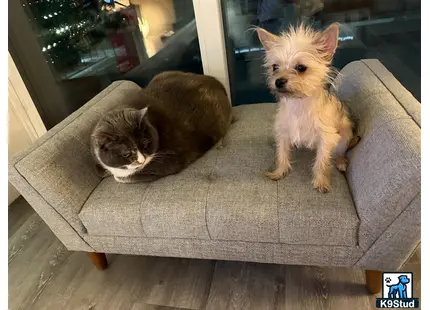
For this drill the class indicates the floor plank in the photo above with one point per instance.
(35, 255)
(182, 283)
(129, 280)
(18, 214)
(239, 285)
(309, 287)
(141, 306)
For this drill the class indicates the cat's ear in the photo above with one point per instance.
(328, 40)
(102, 139)
(267, 39)
(143, 112)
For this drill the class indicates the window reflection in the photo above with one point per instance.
(84, 38)
(384, 29)
(87, 44)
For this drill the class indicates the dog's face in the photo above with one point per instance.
(298, 61)
(404, 279)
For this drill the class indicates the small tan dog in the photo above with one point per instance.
(298, 70)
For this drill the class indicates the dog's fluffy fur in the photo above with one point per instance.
(308, 114)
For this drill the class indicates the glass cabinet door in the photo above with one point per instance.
(69, 50)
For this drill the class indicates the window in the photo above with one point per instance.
(68, 51)
(388, 30)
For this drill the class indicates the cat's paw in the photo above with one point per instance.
(276, 174)
(122, 180)
(101, 172)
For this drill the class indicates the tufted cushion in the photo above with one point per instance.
(225, 196)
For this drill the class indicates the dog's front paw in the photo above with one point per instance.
(322, 185)
(275, 175)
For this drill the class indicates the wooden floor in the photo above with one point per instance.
(44, 275)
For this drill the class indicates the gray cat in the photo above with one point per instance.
(171, 123)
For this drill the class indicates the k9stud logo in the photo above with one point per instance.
(397, 291)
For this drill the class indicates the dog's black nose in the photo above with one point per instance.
(280, 83)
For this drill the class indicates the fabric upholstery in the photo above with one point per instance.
(62, 229)
(225, 196)
(306, 216)
(113, 218)
(241, 202)
(59, 166)
(262, 252)
(397, 242)
(222, 207)
(171, 207)
(385, 167)
(174, 207)
(402, 95)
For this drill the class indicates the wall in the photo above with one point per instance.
(18, 139)
(24, 122)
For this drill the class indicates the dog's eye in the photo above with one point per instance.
(301, 68)
(275, 67)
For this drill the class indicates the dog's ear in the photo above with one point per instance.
(266, 38)
(327, 41)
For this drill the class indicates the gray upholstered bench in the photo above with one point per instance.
(222, 207)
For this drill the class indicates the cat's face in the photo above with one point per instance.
(125, 139)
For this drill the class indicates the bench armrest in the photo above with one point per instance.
(385, 167)
(56, 174)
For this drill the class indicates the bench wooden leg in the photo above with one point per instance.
(98, 259)
(373, 281)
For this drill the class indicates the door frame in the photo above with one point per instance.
(23, 112)
(210, 31)
(22, 103)
(39, 79)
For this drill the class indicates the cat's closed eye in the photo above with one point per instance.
(126, 154)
